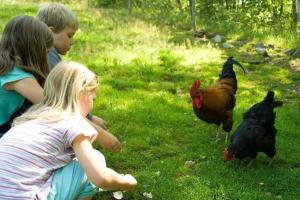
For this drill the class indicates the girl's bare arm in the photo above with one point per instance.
(27, 87)
(100, 175)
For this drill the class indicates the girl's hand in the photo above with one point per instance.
(131, 181)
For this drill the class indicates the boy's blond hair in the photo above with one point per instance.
(63, 87)
(59, 17)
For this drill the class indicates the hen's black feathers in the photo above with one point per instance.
(257, 132)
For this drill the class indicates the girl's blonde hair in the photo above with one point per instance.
(56, 15)
(24, 43)
(63, 87)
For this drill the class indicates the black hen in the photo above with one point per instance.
(256, 133)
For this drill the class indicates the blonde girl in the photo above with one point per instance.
(37, 153)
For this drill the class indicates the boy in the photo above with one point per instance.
(63, 25)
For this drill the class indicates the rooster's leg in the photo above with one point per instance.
(270, 162)
(226, 137)
(250, 163)
(218, 136)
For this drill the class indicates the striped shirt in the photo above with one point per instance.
(32, 151)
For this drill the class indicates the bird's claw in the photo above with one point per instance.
(250, 163)
(218, 140)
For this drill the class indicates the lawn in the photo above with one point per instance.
(145, 75)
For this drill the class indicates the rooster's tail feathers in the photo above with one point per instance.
(230, 61)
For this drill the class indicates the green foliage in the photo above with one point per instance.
(258, 16)
(255, 16)
(107, 3)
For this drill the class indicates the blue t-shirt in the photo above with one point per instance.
(11, 101)
(53, 58)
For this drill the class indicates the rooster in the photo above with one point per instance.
(256, 133)
(215, 104)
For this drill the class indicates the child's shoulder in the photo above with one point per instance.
(53, 58)
(16, 70)
(15, 74)
(74, 119)
(75, 125)
(76, 122)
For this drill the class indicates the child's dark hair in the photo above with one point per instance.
(24, 43)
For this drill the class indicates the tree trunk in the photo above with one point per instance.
(129, 6)
(193, 14)
(227, 4)
(298, 10)
(294, 17)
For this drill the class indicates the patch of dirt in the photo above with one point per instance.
(295, 65)
(297, 88)
(279, 61)
(276, 56)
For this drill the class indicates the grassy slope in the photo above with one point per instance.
(144, 96)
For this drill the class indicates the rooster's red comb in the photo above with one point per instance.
(195, 86)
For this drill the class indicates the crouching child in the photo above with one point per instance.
(48, 152)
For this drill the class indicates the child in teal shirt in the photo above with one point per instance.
(23, 64)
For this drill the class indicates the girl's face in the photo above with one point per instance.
(86, 102)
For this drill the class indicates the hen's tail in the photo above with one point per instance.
(269, 99)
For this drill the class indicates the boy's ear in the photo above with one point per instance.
(52, 29)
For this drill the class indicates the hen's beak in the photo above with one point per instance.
(227, 155)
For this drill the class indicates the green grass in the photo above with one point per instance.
(145, 76)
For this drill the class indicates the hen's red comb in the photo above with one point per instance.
(227, 156)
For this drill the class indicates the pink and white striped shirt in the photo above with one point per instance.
(32, 151)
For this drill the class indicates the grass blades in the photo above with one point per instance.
(145, 75)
